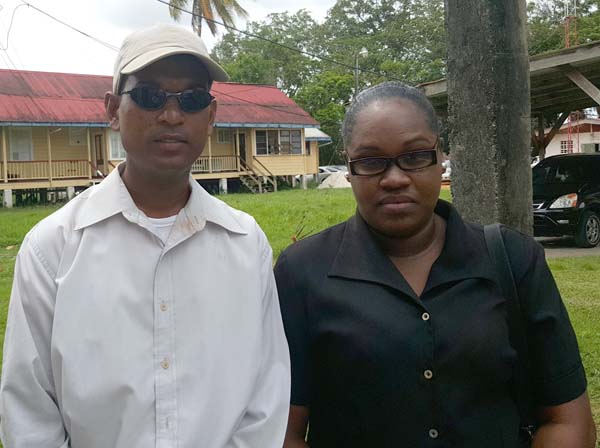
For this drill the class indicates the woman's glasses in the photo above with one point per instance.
(410, 161)
(153, 98)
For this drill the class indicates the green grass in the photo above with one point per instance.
(287, 213)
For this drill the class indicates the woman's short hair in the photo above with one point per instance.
(388, 91)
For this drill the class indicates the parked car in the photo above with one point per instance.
(324, 172)
(566, 198)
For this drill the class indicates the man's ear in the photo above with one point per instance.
(111, 104)
(212, 111)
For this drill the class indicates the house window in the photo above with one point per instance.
(117, 151)
(278, 142)
(307, 148)
(224, 136)
(566, 146)
(21, 144)
(76, 136)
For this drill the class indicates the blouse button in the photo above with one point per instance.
(163, 306)
(433, 433)
(425, 316)
(165, 364)
(428, 374)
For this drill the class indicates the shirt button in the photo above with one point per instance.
(163, 306)
(433, 433)
(425, 316)
(428, 374)
(165, 364)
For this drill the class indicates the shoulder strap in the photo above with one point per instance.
(516, 327)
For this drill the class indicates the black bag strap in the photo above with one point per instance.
(516, 326)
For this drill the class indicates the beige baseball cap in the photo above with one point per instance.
(144, 47)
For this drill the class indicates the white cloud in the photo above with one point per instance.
(39, 43)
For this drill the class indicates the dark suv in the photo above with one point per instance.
(566, 198)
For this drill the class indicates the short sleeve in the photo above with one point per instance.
(557, 373)
(293, 311)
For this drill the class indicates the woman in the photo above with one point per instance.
(395, 319)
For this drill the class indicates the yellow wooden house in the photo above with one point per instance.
(54, 135)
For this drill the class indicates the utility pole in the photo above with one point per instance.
(489, 111)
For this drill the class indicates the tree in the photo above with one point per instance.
(257, 59)
(546, 24)
(207, 11)
(325, 98)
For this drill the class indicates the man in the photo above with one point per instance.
(144, 313)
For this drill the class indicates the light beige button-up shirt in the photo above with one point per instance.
(118, 340)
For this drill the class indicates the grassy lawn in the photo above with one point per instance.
(285, 214)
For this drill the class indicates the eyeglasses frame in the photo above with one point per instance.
(394, 159)
(168, 95)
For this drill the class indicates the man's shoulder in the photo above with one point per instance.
(49, 235)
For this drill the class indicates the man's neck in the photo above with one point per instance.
(157, 196)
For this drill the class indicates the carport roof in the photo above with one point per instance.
(552, 88)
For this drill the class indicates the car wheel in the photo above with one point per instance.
(588, 231)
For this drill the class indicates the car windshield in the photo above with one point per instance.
(557, 172)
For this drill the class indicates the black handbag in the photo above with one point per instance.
(516, 331)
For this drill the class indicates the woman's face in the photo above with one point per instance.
(396, 203)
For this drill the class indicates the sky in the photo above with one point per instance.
(37, 42)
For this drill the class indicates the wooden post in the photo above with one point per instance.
(89, 148)
(210, 154)
(489, 111)
(49, 154)
(237, 148)
(4, 157)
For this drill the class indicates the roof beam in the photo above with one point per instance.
(583, 83)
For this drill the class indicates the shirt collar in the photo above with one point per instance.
(463, 256)
(111, 197)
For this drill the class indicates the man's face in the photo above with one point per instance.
(167, 140)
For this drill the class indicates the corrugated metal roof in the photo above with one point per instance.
(43, 97)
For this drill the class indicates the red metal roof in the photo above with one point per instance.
(42, 97)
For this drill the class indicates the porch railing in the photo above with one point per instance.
(43, 170)
(215, 164)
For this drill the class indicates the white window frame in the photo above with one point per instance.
(77, 136)
(224, 136)
(25, 152)
(117, 151)
(278, 145)
(566, 146)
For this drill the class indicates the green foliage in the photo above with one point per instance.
(547, 19)
(254, 60)
(325, 98)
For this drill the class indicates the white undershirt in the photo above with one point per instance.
(163, 226)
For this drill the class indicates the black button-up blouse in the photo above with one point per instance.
(380, 367)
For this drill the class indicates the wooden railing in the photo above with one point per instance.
(41, 170)
(215, 164)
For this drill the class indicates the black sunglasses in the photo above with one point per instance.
(153, 98)
(409, 161)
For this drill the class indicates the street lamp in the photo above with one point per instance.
(364, 53)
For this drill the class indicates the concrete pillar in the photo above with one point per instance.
(7, 199)
(489, 111)
(223, 186)
(70, 192)
(293, 181)
(304, 181)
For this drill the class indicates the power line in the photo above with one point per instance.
(95, 39)
(297, 50)
(5, 48)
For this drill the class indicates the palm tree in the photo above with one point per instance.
(208, 10)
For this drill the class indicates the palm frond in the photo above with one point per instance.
(173, 11)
